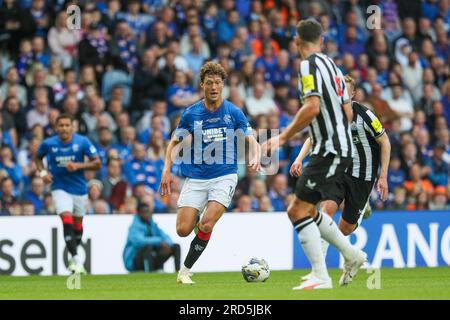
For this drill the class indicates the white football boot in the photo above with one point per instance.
(351, 267)
(184, 277)
(314, 283)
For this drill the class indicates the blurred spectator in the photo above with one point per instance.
(416, 183)
(278, 191)
(9, 164)
(399, 201)
(7, 199)
(148, 247)
(244, 204)
(440, 199)
(180, 95)
(12, 82)
(35, 195)
(114, 186)
(258, 103)
(63, 41)
(396, 176)
(439, 168)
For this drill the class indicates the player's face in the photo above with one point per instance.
(351, 92)
(212, 87)
(64, 128)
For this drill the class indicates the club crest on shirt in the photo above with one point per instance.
(75, 147)
(227, 118)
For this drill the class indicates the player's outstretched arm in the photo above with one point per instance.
(166, 177)
(296, 167)
(255, 152)
(385, 145)
(306, 114)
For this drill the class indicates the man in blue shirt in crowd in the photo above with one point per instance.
(148, 247)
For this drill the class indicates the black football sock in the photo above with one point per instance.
(69, 235)
(198, 245)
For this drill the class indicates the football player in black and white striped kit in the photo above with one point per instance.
(327, 112)
(372, 149)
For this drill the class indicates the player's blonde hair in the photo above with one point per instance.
(350, 80)
(212, 69)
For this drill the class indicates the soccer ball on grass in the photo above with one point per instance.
(255, 270)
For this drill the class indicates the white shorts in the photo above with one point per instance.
(72, 203)
(196, 193)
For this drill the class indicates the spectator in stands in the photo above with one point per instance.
(35, 195)
(440, 199)
(114, 185)
(63, 41)
(180, 95)
(244, 204)
(12, 80)
(7, 200)
(9, 164)
(396, 176)
(278, 191)
(258, 103)
(148, 247)
(440, 171)
(139, 169)
(399, 201)
(416, 183)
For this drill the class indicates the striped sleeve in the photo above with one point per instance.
(309, 79)
(345, 98)
(372, 124)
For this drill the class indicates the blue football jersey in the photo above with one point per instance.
(58, 154)
(215, 138)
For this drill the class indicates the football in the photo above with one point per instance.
(255, 270)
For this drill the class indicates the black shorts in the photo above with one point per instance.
(356, 193)
(319, 178)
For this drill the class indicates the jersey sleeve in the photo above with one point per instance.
(89, 149)
(372, 124)
(42, 150)
(345, 98)
(309, 79)
(184, 128)
(241, 122)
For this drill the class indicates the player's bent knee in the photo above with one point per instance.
(347, 229)
(183, 230)
(206, 227)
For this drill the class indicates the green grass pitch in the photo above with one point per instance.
(418, 283)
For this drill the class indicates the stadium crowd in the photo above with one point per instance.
(128, 73)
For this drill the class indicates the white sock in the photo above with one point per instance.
(309, 237)
(325, 246)
(77, 260)
(184, 269)
(331, 233)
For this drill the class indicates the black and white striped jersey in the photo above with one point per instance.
(329, 130)
(365, 128)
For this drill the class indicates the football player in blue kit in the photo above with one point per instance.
(65, 156)
(213, 128)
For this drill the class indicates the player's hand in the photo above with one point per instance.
(296, 169)
(270, 146)
(48, 178)
(72, 166)
(382, 188)
(166, 181)
(255, 163)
